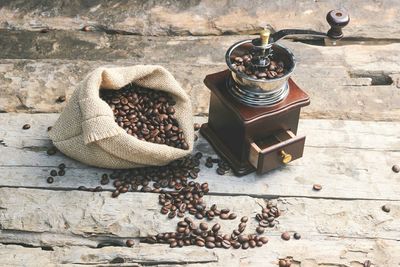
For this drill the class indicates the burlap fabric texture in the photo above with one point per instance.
(87, 131)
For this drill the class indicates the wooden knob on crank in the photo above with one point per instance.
(264, 37)
(286, 157)
(337, 19)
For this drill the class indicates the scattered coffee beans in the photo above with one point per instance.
(317, 187)
(130, 243)
(285, 236)
(245, 65)
(26, 126)
(386, 208)
(148, 115)
(396, 168)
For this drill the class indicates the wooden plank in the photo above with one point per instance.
(331, 252)
(346, 232)
(73, 214)
(346, 82)
(368, 19)
(352, 160)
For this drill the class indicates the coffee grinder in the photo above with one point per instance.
(253, 120)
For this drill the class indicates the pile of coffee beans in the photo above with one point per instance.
(223, 166)
(275, 69)
(173, 176)
(267, 217)
(146, 114)
(285, 262)
(188, 233)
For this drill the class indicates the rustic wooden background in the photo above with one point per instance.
(352, 128)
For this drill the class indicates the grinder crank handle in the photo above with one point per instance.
(337, 19)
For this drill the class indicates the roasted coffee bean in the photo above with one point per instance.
(200, 243)
(50, 180)
(386, 208)
(216, 227)
(244, 219)
(196, 126)
(61, 99)
(172, 214)
(243, 238)
(367, 263)
(61, 172)
(317, 187)
(98, 189)
(285, 236)
(283, 263)
(259, 217)
(130, 243)
(61, 166)
(26, 126)
(52, 151)
(263, 223)
(203, 226)
(115, 193)
(49, 128)
(236, 244)
(260, 230)
(396, 168)
(226, 244)
(224, 216)
(53, 173)
(209, 164)
(245, 245)
(221, 171)
(252, 243)
(210, 245)
(81, 187)
(232, 216)
(104, 181)
(296, 236)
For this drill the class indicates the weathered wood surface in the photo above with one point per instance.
(200, 17)
(361, 230)
(344, 82)
(351, 159)
(334, 252)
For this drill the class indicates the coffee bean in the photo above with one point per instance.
(263, 223)
(209, 164)
(130, 243)
(232, 216)
(224, 216)
(81, 187)
(317, 187)
(61, 99)
(244, 219)
(245, 245)
(216, 227)
(98, 189)
(200, 243)
(236, 244)
(50, 180)
(386, 208)
(26, 126)
(396, 168)
(53, 173)
(115, 193)
(285, 236)
(49, 128)
(221, 171)
(367, 263)
(226, 244)
(260, 230)
(52, 151)
(210, 245)
(297, 236)
(61, 166)
(203, 226)
(196, 126)
(282, 263)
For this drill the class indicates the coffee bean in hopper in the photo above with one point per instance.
(148, 115)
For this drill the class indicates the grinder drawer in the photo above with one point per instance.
(277, 150)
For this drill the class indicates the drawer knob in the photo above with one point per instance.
(286, 157)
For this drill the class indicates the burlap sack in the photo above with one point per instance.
(86, 130)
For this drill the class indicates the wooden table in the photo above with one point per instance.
(353, 139)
